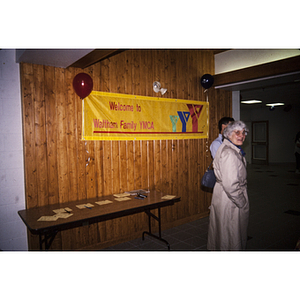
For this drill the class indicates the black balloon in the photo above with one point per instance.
(207, 81)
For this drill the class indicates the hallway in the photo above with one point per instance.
(274, 225)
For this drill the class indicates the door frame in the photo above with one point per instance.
(260, 143)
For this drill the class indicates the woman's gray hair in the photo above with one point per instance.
(236, 125)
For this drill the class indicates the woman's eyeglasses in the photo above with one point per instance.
(239, 132)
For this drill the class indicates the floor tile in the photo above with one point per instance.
(182, 246)
(196, 242)
(182, 235)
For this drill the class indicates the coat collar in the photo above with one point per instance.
(237, 148)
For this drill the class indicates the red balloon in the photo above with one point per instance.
(83, 84)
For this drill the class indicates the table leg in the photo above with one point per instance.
(159, 227)
(47, 240)
(41, 241)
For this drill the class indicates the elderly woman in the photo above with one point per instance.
(229, 210)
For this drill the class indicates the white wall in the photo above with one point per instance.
(283, 127)
(236, 105)
(13, 234)
(242, 58)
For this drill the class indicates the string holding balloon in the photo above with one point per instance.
(88, 160)
(206, 148)
(207, 81)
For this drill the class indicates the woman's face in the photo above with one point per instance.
(237, 137)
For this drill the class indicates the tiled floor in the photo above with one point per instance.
(274, 195)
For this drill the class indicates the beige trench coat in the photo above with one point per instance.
(229, 210)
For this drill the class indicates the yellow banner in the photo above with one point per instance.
(108, 116)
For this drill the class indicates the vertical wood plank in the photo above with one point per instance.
(40, 135)
(107, 166)
(51, 127)
(144, 164)
(145, 82)
(173, 75)
(137, 165)
(71, 117)
(62, 153)
(157, 165)
(123, 167)
(129, 164)
(192, 185)
(115, 166)
(175, 183)
(150, 154)
(136, 72)
(29, 135)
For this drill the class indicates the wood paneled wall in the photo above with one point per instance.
(56, 158)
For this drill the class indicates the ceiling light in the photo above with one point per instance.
(274, 104)
(251, 101)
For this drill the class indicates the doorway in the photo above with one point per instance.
(260, 142)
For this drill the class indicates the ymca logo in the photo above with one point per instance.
(194, 112)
